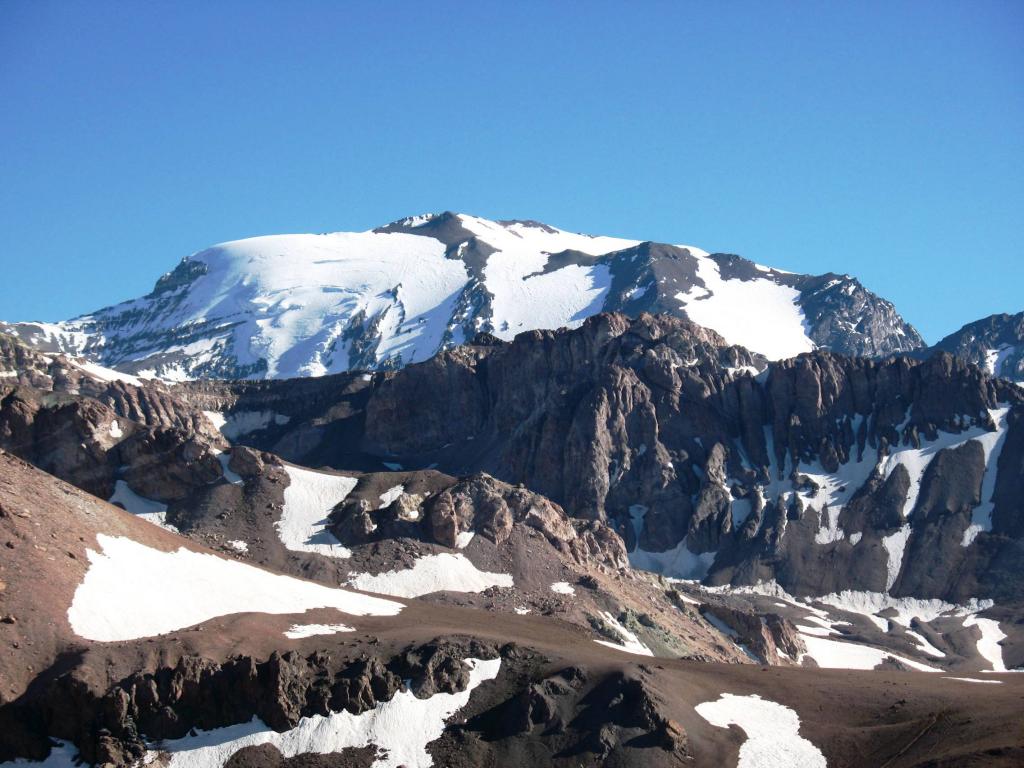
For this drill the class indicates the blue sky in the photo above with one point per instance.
(885, 140)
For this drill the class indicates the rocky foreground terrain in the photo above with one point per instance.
(599, 546)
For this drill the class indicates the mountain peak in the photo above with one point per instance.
(280, 306)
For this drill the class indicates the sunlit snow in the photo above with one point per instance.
(131, 590)
(442, 572)
(759, 314)
(298, 631)
(773, 732)
(308, 500)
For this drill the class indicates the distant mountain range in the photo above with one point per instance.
(308, 305)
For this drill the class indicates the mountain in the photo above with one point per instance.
(308, 305)
(125, 643)
(994, 343)
(823, 473)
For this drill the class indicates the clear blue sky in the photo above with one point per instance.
(881, 139)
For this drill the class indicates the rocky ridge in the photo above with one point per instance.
(994, 343)
(802, 474)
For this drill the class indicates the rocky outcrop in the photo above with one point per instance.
(144, 401)
(761, 635)
(87, 443)
(587, 716)
(198, 693)
(994, 344)
(438, 509)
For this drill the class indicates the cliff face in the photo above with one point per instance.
(819, 471)
(994, 343)
(822, 472)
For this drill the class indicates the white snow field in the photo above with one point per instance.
(401, 728)
(390, 495)
(994, 358)
(563, 588)
(151, 511)
(290, 305)
(758, 314)
(677, 563)
(117, 598)
(104, 374)
(870, 604)
(525, 300)
(833, 654)
(988, 645)
(297, 631)
(442, 572)
(773, 732)
(308, 500)
(630, 642)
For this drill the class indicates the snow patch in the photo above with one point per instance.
(117, 598)
(298, 631)
(390, 495)
(308, 500)
(105, 374)
(678, 562)
(236, 424)
(229, 474)
(833, 654)
(895, 545)
(562, 588)
(870, 604)
(994, 358)
(759, 314)
(443, 572)
(988, 645)
(773, 732)
(924, 646)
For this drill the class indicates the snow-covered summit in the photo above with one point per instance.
(307, 305)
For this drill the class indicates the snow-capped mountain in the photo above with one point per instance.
(308, 305)
(994, 343)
